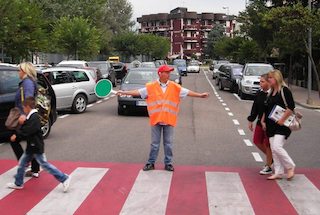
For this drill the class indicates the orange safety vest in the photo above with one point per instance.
(163, 107)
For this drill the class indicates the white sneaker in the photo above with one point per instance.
(14, 186)
(266, 171)
(66, 184)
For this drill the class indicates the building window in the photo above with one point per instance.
(189, 46)
(189, 22)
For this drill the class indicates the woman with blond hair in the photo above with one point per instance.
(277, 132)
(27, 88)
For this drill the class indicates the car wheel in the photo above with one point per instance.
(217, 81)
(234, 89)
(79, 104)
(46, 128)
(220, 85)
(120, 111)
(242, 95)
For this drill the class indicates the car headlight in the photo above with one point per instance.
(248, 82)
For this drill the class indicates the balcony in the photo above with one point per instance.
(190, 27)
(207, 27)
(190, 39)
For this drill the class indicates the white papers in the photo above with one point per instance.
(277, 113)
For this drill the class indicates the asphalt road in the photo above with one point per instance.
(208, 133)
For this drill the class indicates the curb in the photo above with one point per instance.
(313, 107)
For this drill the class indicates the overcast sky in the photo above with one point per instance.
(143, 7)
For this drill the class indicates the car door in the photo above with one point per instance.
(84, 83)
(222, 75)
(64, 88)
(228, 81)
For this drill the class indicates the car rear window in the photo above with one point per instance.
(9, 81)
(237, 70)
(140, 77)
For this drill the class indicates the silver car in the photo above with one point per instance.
(74, 87)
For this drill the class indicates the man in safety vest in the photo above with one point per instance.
(163, 98)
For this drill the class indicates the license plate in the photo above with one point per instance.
(141, 103)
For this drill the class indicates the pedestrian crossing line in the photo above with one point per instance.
(227, 109)
(236, 122)
(241, 132)
(6, 178)
(149, 195)
(226, 194)
(247, 142)
(57, 202)
(257, 157)
(303, 195)
(224, 104)
(230, 114)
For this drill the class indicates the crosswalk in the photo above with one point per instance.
(111, 188)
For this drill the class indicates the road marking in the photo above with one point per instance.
(226, 194)
(149, 194)
(113, 95)
(236, 122)
(224, 104)
(241, 132)
(98, 102)
(318, 110)
(83, 182)
(218, 97)
(90, 105)
(64, 116)
(105, 99)
(6, 178)
(257, 156)
(227, 109)
(236, 95)
(221, 100)
(303, 194)
(230, 114)
(247, 142)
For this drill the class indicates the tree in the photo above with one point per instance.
(75, 37)
(21, 30)
(294, 20)
(215, 34)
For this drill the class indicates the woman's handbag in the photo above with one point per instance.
(295, 124)
(12, 122)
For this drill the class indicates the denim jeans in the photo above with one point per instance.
(156, 131)
(42, 160)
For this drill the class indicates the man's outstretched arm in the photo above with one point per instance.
(198, 95)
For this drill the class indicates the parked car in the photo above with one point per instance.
(120, 69)
(74, 88)
(105, 70)
(175, 75)
(215, 62)
(193, 66)
(182, 66)
(160, 63)
(249, 84)
(135, 79)
(215, 72)
(229, 76)
(148, 65)
(9, 84)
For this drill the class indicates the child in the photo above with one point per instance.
(31, 131)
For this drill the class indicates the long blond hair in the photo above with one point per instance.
(277, 75)
(29, 69)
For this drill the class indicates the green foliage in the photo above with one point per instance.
(21, 29)
(75, 36)
(215, 34)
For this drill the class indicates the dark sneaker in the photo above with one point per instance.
(32, 174)
(266, 171)
(148, 166)
(169, 167)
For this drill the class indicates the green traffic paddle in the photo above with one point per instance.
(103, 88)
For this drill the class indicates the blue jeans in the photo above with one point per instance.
(42, 160)
(156, 131)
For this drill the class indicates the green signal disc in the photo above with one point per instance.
(103, 88)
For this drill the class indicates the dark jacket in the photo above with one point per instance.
(29, 89)
(31, 131)
(272, 127)
(258, 108)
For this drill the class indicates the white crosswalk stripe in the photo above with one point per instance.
(149, 194)
(303, 195)
(57, 202)
(226, 194)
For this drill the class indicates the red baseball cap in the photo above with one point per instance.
(165, 68)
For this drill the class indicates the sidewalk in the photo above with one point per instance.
(300, 95)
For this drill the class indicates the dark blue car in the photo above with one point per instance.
(182, 66)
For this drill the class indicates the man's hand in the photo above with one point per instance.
(250, 126)
(204, 95)
(22, 119)
(120, 93)
(280, 122)
(264, 126)
(13, 138)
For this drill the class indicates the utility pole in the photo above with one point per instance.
(309, 100)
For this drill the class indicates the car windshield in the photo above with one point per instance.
(193, 64)
(9, 81)
(70, 65)
(258, 70)
(180, 63)
(140, 77)
(148, 65)
(237, 71)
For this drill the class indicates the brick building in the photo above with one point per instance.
(188, 31)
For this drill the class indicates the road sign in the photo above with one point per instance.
(103, 88)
